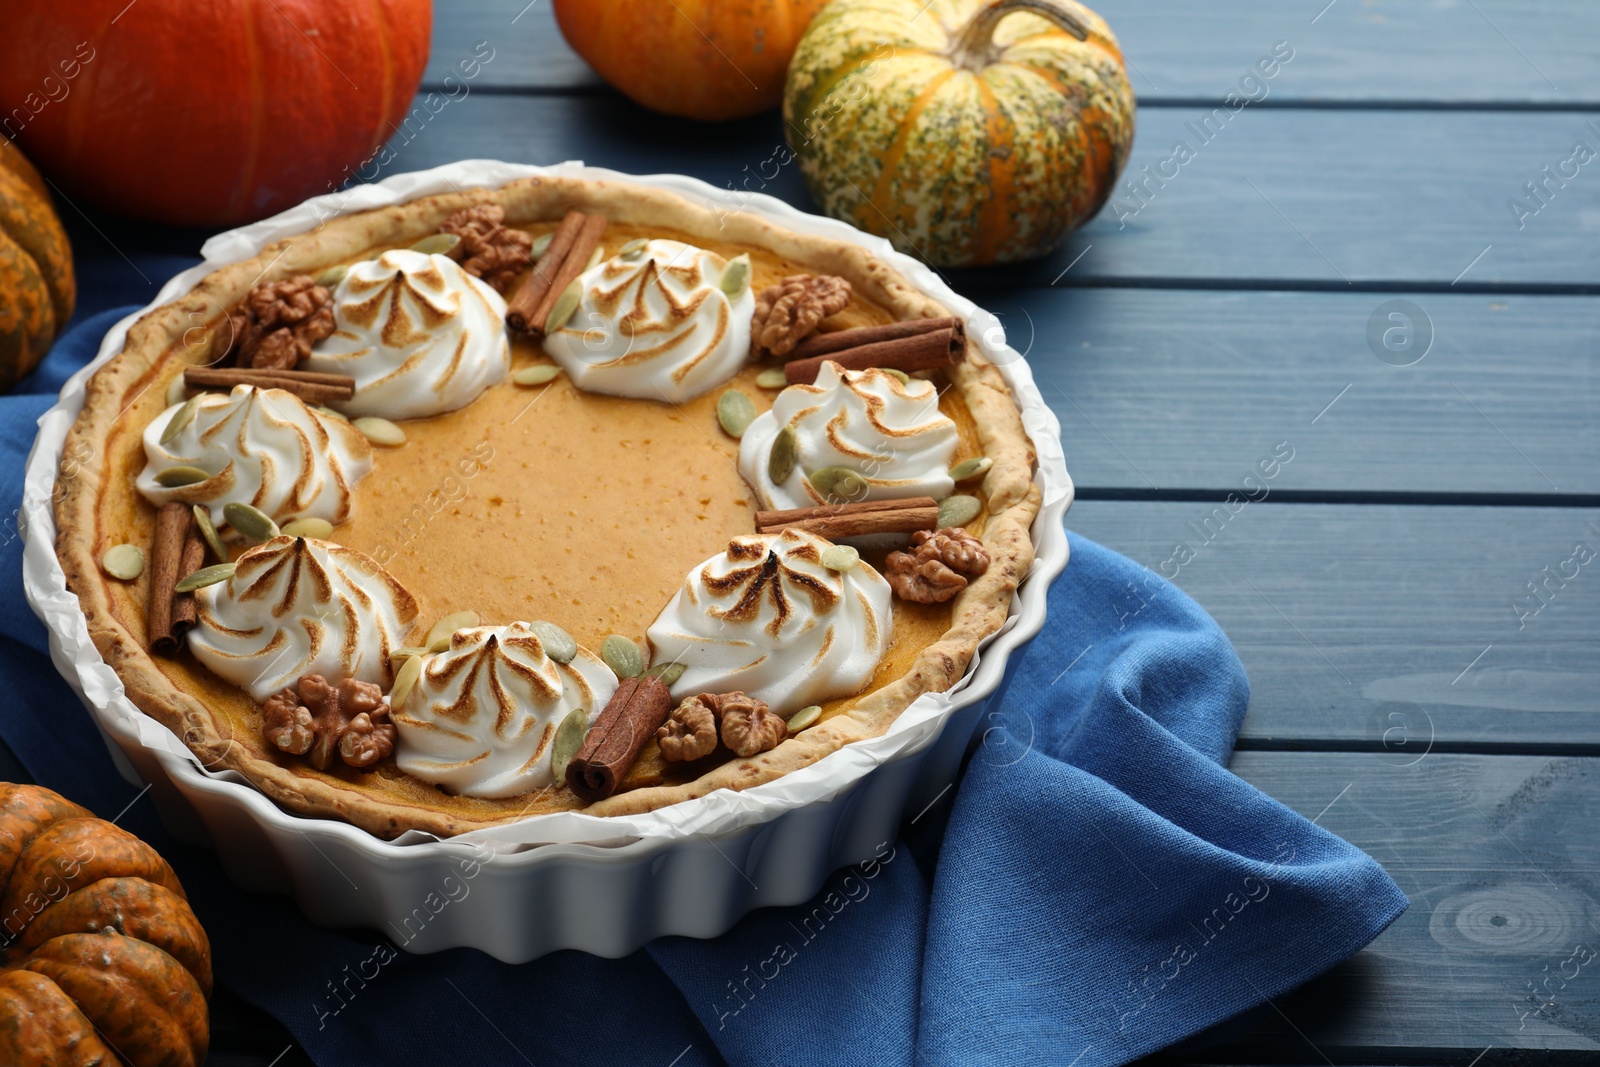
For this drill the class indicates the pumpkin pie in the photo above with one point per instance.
(565, 495)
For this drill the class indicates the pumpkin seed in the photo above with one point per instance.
(180, 476)
(633, 247)
(380, 431)
(400, 655)
(177, 391)
(330, 278)
(735, 276)
(781, 460)
(735, 412)
(539, 375)
(253, 524)
(595, 259)
(958, 511)
(839, 483)
(438, 638)
(969, 469)
(541, 244)
(840, 558)
(316, 529)
(405, 680)
(208, 533)
(217, 572)
(558, 644)
(804, 717)
(180, 419)
(123, 561)
(438, 244)
(772, 379)
(669, 673)
(332, 414)
(566, 304)
(622, 656)
(896, 373)
(569, 738)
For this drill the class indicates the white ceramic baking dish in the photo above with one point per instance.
(605, 886)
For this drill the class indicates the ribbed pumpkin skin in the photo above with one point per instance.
(705, 59)
(208, 112)
(41, 1027)
(37, 288)
(957, 166)
(100, 947)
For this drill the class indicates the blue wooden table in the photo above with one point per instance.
(1353, 277)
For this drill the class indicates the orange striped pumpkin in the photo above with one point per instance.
(212, 112)
(706, 59)
(100, 950)
(37, 290)
(965, 131)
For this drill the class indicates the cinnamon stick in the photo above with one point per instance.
(166, 560)
(862, 523)
(570, 248)
(309, 386)
(822, 343)
(638, 707)
(823, 511)
(184, 612)
(343, 381)
(943, 347)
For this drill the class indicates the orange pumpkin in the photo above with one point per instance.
(100, 949)
(209, 112)
(37, 289)
(965, 131)
(706, 59)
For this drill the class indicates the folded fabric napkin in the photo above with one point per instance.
(1095, 888)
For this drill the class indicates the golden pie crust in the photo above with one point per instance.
(627, 495)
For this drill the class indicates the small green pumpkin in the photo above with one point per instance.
(37, 290)
(965, 131)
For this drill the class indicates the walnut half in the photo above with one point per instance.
(489, 249)
(276, 324)
(690, 734)
(316, 720)
(952, 546)
(789, 312)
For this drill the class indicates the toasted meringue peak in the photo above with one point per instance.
(655, 324)
(891, 433)
(296, 606)
(766, 617)
(262, 447)
(482, 718)
(419, 335)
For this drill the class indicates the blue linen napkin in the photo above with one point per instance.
(1096, 887)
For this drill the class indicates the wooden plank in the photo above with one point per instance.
(1518, 52)
(1164, 389)
(1428, 210)
(1497, 858)
(529, 53)
(1386, 627)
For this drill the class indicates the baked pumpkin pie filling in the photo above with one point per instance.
(536, 499)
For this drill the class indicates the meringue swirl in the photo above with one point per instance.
(655, 324)
(891, 433)
(768, 618)
(419, 335)
(482, 717)
(262, 447)
(296, 606)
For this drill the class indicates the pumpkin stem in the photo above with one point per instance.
(974, 46)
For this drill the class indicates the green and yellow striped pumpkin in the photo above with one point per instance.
(964, 131)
